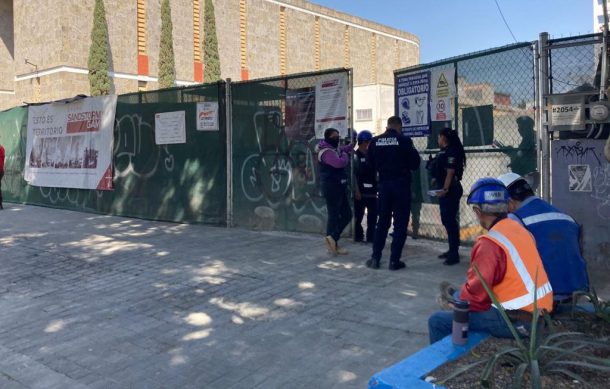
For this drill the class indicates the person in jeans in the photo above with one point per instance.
(333, 160)
(508, 261)
(557, 237)
(365, 190)
(394, 158)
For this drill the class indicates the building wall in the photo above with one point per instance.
(227, 31)
(63, 40)
(300, 49)
(7, 44)
(263, 38)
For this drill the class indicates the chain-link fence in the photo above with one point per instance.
(493, 112)
(177, 182)
(275, 168)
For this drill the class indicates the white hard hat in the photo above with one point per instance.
(510, 178)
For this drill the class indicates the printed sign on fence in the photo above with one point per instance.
(331, 104)
(69, 145)
(170, 128)
(207, 116)
(412, 102)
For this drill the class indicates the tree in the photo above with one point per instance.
(99, 80)
(211, 58)
(167, 71)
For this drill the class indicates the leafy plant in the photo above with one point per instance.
(167, 68)
(211, 59)
(99, 81)
(601, 308)
(555, 353)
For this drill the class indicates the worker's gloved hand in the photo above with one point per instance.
(445, 299)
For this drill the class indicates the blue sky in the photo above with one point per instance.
(452, 27)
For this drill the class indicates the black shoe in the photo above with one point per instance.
(444, 255)
(372, 264)
(397, 265)
(452, 261)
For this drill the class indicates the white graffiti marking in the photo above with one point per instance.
(601, 190)
(135, 135)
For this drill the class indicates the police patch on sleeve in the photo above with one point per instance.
(451, 160)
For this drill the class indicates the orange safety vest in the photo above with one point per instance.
(516, 290)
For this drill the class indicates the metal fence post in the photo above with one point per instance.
(543, 133)
(537, 110)
(229, 130)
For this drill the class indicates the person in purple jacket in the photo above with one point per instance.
(333, 160)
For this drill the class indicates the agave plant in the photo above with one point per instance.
(601, 308)
(546, 354)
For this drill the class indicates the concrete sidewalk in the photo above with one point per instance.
(108, 302)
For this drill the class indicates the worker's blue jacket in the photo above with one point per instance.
(557, 240)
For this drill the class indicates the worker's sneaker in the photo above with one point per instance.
(331, 244)
(397, 265)
(342, 251)
(372, 263)
(444, 255)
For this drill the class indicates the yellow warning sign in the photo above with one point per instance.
(442, 82)
(442, 86)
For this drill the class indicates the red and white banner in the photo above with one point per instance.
(331, 104)
(69, 145)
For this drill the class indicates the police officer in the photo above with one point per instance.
(393, 157)
(557, 236)
(365, 193)
(447, 171)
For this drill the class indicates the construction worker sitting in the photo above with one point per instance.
(509, 263)
(556, 234)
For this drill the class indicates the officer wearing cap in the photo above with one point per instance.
(394, 157)
(509, 263)
(556, 234)
(365, 193)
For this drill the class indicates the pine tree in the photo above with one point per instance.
(99, 81)
(211, 59)
(167, 71)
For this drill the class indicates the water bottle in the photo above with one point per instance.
(459, 332)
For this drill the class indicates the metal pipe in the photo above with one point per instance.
(543, 133)
(537, 108)
(604, 73)
(229, 129)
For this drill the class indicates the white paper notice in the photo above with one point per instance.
(331, 104)
(170, 128)
(207, 116)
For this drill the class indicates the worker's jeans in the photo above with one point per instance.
(338, 208)
(440, 323)
(370, 204)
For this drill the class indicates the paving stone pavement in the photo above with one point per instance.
(93, 301)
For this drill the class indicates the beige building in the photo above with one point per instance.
(44, 45)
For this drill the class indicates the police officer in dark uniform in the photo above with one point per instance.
(393, 157)
(365, 193)
(447, 170)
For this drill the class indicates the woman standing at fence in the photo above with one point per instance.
(333, 160)
(447, 173)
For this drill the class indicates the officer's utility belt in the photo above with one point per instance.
(519, 315)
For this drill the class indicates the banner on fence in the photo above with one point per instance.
(69, 145)
(412, 103)
(442, 93)
(331, 104)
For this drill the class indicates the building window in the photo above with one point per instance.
(364, 115)
(600, 18)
